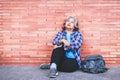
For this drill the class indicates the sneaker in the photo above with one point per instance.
(53, 73)
(45, 66)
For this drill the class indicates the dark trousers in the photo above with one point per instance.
(63, 64)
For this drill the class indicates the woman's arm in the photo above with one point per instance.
(56, 39)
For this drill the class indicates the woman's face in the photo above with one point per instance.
(69, 24)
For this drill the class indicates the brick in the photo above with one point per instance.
(27, 29)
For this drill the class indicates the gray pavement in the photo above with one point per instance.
(35, 73)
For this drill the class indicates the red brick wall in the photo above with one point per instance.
(27, 29)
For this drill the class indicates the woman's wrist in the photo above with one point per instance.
(55, 46)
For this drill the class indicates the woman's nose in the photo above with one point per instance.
(69, 22)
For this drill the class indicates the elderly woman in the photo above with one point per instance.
(66, 53)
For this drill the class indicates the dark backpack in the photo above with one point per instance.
(93, 64)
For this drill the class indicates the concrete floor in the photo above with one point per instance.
(35, 73)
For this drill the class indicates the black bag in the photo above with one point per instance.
(94, 64)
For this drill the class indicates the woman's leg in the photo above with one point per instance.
(69, 65)
(58, 56)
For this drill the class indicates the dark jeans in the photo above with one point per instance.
(63, 64)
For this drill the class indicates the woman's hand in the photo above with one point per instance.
(65, 42)
(55, 46)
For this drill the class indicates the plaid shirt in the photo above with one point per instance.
(75, 43)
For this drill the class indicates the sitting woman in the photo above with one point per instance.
(66, 53)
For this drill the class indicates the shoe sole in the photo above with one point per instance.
(53, 76)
